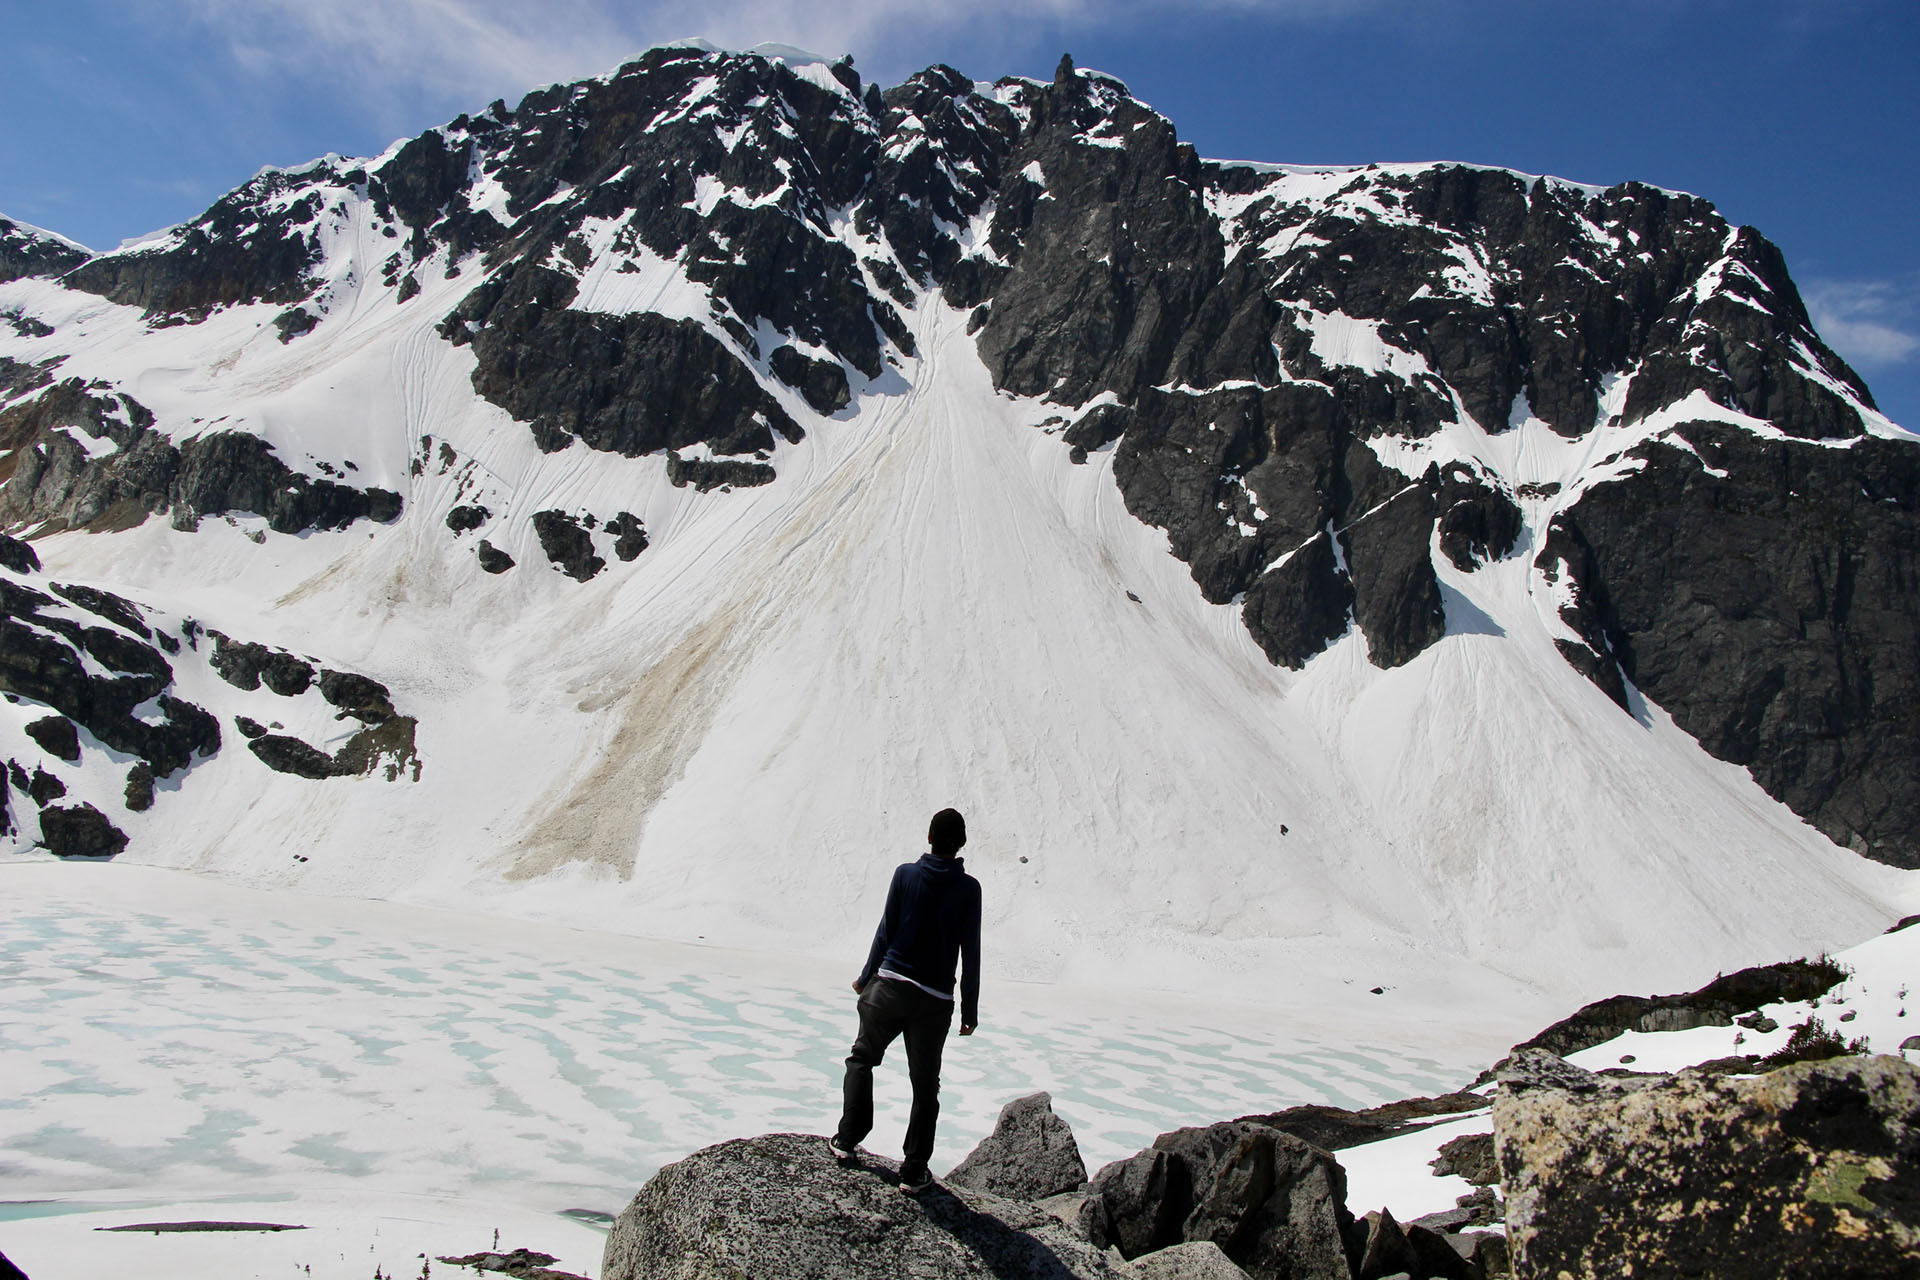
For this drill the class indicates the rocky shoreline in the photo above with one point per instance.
(1802, 1162)
(1809, 1169)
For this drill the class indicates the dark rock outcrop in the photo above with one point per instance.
(247, 666)
(707, 474)
(628, 384)
(386, 744)
(779, 1205)
(28, 251)
(1335, 1128)
(629, 536)
(1761, 591)
(1714, 1005)
(1809, 1170)
(1469, 1156)
(467, 517)
(521, 1264)
(18, 556)
(491, 558)
(139, 789)
(251, 246)
(285, 754)
(1030, 1155)
(79, 831)
(567, 544)
(44, 787)
(48, 479)
(1274, 1204)
(361, 697)
(822, 383)
(41, 659)
(56, 736)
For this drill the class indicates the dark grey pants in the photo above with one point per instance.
(889, 1009)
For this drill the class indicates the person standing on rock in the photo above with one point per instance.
(930, 928)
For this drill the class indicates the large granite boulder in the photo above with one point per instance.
(1030, 1154)
(1274, 1204)
(780, 1206)
(1201, 1260)
(1812, 1170)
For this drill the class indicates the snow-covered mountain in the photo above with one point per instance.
(642, 506)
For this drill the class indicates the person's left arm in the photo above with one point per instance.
(970, 962)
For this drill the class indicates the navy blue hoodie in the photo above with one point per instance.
(932, 921)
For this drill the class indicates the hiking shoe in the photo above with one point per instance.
(914, 1181)
(843, 1154)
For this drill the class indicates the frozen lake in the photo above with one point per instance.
(166, 1039)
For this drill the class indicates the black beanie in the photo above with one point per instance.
(947, 832)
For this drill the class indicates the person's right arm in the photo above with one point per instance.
(970, 963)
(878, 951)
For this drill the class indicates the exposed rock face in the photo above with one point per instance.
(779, 1205)
(1334, 1128)
(1714, 1005)
(40, 658)
(56, 736)
(28, 251)
(1030, 1155)
(666, 383)
(629, 536)
(1470, 1156)
(284, 754)
(567, 544)
(1762, 592)
(139, 788)
(248, 247)
(1274, 1204)
(1807, 1171)
(79, 831)
(467, 517)
(706, 474)
(492, 558)
(51, 481)
(18, 556)
(53, 645)
(247, 666)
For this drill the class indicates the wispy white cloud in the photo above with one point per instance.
(397, 55)
(1872, 323)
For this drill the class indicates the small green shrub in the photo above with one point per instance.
(1813, 1041)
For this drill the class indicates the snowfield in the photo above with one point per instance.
(730, 738)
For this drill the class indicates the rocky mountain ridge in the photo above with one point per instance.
(1343, 394)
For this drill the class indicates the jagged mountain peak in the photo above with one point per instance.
(650, 391)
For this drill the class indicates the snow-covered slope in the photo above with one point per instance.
(721, 467)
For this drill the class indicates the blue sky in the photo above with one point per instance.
(1796, 116)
